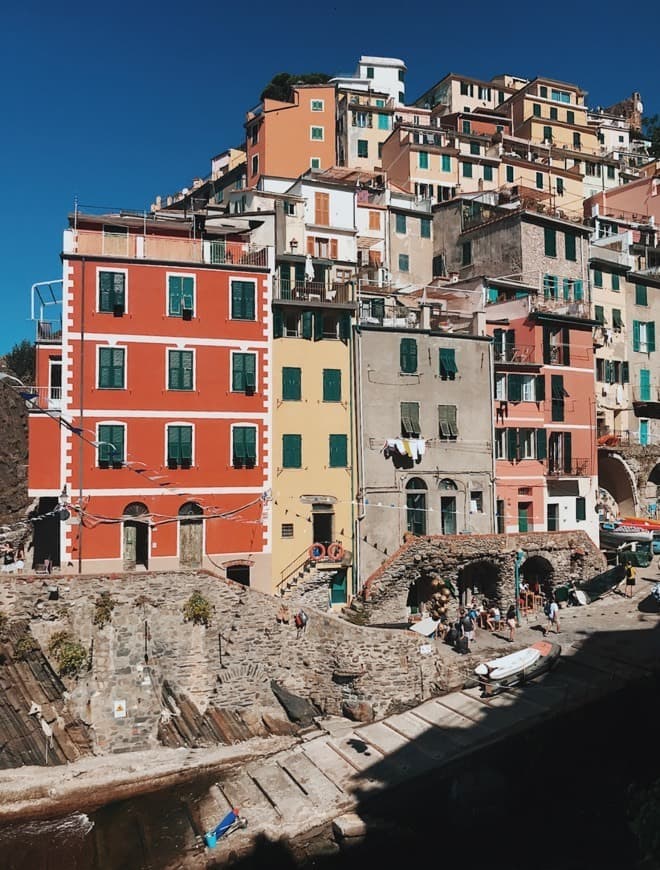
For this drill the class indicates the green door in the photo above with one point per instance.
(645, 385)
(338, 588)
(524, 510)
(448, 514)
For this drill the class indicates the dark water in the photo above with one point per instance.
(556, 798)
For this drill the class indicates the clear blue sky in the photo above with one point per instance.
(116, 103)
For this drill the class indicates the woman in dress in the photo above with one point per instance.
(511, 621)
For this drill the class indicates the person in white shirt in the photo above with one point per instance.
(552, 612)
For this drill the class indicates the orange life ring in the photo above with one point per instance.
(335, 552)
(316, 552)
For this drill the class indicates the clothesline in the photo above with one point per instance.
(413, 448)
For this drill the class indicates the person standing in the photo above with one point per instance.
(630, 580)
(467, 626)
(511, 621)
(552, 612)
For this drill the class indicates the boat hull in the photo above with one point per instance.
(549, 655)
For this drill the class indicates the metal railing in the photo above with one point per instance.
(168, 248)
(518, 353)
(49, 331)
(294, 567)
(574, 468)
(313, 291)
(43, 398)
(606, 437)
(650, 393)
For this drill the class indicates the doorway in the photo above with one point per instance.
(448, 514)
(553, 517)
(136, 536)
(323, 516)
(338, 587)
(416, 506)
(524, 516)
(46, 539)
(239, 574)
(191, 535)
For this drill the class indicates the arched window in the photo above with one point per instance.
(190, 509)
(135, 509)
(447, 483)
(416, 506)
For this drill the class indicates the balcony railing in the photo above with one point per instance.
(648, 393)
(567, 307)
(519, 353)
(167, 248)
(574, 468)
(49, 331)
(614, 438)
(339, 293)
(43, 398)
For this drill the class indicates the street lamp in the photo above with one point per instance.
(520, 558)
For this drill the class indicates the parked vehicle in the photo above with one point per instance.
(655, 544)
(517, 668)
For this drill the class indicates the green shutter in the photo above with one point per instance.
(625, 372)
(278, 323)
(180, 374)
(185, 442)
(345, 326)
(238, 372)
(617, 322)
(541, 444)
(242, 300)
(448, 366)
(599, 314)
(567, 289)
(174, 294)
(105, 376)
(580, 508)
(113, 449)
(615, 281)
(540, 388)
(636, 331)
(291, 451)
(408, 355)
(338, 451)
(568, 452)
(377, 307)
(566, 349)
(511, 444)
(111, 290)
(650, 336)
(645, 385)
(578, 291)
(318, 325)
(514, 388)
(331, 385)
(307, 324)
(291, 379)
(570, 246)
(187, 292)
(641, 297)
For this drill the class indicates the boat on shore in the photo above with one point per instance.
(612, 535)
(517, 668)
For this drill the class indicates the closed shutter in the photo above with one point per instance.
(180, 370)
(242, 300)
(333, 249)
(338, 451)
(448, 366)
(345, 326)
(186, 370)
(578, 291)
(310, 245)
(650, 336)
(550, 236)
(322, 209)
(175, 292)
(636, 331)
(599, 314)
(511, 444)
(105, 374)
(570, 246)
(278, 323)
(625, 373)
(617, 322)
(250, 368)
(318, 325)
(408, 355)
(540, 388)
(510, 342)
(307, 324)
(112, 447)
(580, 508)
(173, 444)
(331, 385)
(291, 451)
(238, 372)
(640, 295)
(187, 293)
(514, 391)
(541, 444)
(645, 385)
(378, 309)
(568, 451)
(566, 349)
(291, 377)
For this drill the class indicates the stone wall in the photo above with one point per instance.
(486, 562)
(149, 659)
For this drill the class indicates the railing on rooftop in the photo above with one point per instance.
(339, 293)
(49, 331)
(518, 353)
(167, 248)
(43, 398)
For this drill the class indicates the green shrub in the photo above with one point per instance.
(197, 609)
(4, 625)
(103, 607)
(24, 646)
(70, 654)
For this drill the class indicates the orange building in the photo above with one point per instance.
(285, 139)
(157, 440)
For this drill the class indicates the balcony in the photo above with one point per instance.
(332, 293)
(49, 331)
(519, 354)
(42, 398)
(547, 304)
(571, 468)
(617, 438)
(216, 252)
(646, 401)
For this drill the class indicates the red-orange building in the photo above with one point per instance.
(152, 402)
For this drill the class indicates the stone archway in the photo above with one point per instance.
(616, 478)
(538, 572)
(481, 579)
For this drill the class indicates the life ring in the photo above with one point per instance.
(316, 552)
(335, 552)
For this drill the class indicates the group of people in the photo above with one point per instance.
(12, 558)
(462, 632)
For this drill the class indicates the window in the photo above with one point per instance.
(402, 97)
(577, 143)
(242, 300)
(556, 345)
(599, 314)
(610, 172)
(466, 127)
(180, 295)
(317, 105)
(528, 388)
(374, 220)
(338, 452)
(539, 180)
(558, 396)
(410, 427)
(244, 446)
(500, 387)
(476, 501)
(536, 110)
(370, 72)
(550, 238)
(362, 148)
(617, 322)
(400, 223)
(543, 91)
(380, 150)
(291, 451)
(643, 336)
(291, 390)
(445, 162)
(553, 113)
(560, 96)
(179, 370)
(255, 164)
(645, 385)
(287, 530)
(404, 263)
(362, 119)
(509, 174)
(423, 159)
(408, 355)
(615, 282)
(447, 428)
(447, 363)
(475, 148)
(383, 121)
(402, 75)
(425, 228)
(466, 253)
(550, 287)
(500, 443)
(322, 209)
(570, 117)
(570, 246)
(315, 163)
(110, 445)
(467, 170)
(111, 368)
(526, 443)
(560, 187)
(243, 372)
(316, 134)
(332, 385)
(488, 173)
(641, 297)
(644, 433)
(598, 278)
(254, 134)
(547, 134)
(416, 506)
(179, 446)
(112, 291)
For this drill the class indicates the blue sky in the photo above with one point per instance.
(114, 104)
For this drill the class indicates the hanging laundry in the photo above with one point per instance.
(406, 448)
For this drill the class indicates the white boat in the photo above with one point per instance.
(615, 534)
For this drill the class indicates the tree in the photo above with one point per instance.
(279, 87)
(651, 131)
(20, 361)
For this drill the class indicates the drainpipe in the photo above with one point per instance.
(493, 479)
(359, 455)
(520, 557)
(81, 392)
(355, 536)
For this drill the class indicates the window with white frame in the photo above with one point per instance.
(528, 388)
(179, 445)
(317, 134)
(180, 295)
(317, 105)
(500, 387)
(111, 368)
(111, 291)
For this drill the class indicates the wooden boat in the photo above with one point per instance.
(642, 523)
(518, 667)
(615, 534)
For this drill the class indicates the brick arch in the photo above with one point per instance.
(616, 477)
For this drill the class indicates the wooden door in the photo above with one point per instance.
(130, 546)
(190, 543)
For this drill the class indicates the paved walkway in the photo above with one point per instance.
(604, 645)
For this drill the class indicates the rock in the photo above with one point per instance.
(299, 710)
(358, 711)
(349, 825)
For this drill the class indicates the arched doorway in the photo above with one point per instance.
(136, 536)
(617, 479)
(538, 573)
(448, 506)
(481, 579)
(191, 535)
(416, 506)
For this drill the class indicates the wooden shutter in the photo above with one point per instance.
(250, 436)
(307, 324)
(333, 249)
(566, 349)
(250, 370)
(599, 314)
(625, 372)
(322, 209)
(174, 293)
(514, 388)
(338, 451)
(291, 384)
(117, 367)
(568, 452)
(650, 336)
(186, 370)
(570, 246)
(512, 444)
(318, 325)
(636, 335)
(645, 385)
(291, 451)
(310, 245)
(578, 294)
(546, 345)
(331, 385)
(549, 234)
(448, 366)
(278, 323)
(541, 444)
(185, 443)
(580, 508)
(238, 372)
(173, 443)
(345, 326)
(105, 374)
(408, 355)
(540, 388)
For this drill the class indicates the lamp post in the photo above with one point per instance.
(520, 557)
